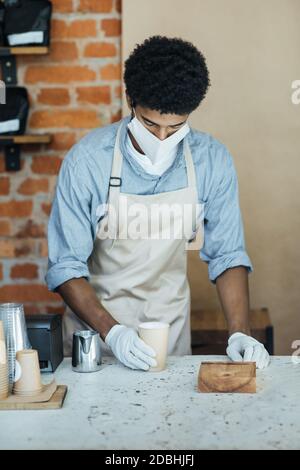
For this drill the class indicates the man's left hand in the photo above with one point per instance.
(242, 347)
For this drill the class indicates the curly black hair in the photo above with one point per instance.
(168, 75)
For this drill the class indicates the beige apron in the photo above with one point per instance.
(144, 279)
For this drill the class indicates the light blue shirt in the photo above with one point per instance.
(82, 187)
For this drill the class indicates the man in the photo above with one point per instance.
(111, 282)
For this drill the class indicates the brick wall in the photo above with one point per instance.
(75, 88)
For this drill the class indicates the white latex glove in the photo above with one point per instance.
(129, 348)
(242, 347)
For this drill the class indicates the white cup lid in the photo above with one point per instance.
(153, 325)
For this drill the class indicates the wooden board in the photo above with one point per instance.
(55, 402)
(27, 138)
(227, 377)
(20, 50)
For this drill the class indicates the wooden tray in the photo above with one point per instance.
(55, 402)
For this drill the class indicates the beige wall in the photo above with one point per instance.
(253, 53)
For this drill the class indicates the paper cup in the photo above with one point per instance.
(3, 381)
(156, 335)
(2, 337)
(3, 358)
(4, 395)
(28, 377)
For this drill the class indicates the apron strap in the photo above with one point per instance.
(190, 169)
(115, 182)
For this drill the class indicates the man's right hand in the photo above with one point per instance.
(129, 348)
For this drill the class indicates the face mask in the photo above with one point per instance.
(154, 148)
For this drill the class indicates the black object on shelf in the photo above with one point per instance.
(45, 335)
(27, 22)
(14, 112)
(13, 121)
(24, 29)
(9, 76)
(2, 11)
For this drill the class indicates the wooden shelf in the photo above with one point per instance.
(19, 50)
(26, 139)
(8, 58)
(12, 143)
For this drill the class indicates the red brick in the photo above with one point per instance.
(24, 248)
(59, 309)
(76, 29)
(16, 248)
(54, 96)
(2, 164)
(62, 141)
(43, 248)
(46, 207)
(31, 229)
(5, 228)
(31, 309)
(27, 293)
(111, 27)
(100, 49)
(96, 6)
(117, 116)
(119, 6)
(7, 249)
(59, 74)
(32, 186)
(24, 271)
(62, 6)
(118, 91)
(82, 29)
(94, 95)
(4, 185)
(1, 272)
(62, 51)
(111, 72)
(16, 208)
(74, 118)
(59, 29)
(46, 165)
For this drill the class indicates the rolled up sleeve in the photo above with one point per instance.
(70, 238)
(224, 244)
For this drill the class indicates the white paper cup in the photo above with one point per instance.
(156, 335)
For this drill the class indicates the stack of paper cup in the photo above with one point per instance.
(16, 336)
(28, 375)
(3, 366)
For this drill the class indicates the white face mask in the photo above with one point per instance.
(154, 148)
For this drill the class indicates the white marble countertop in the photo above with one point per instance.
(118, 408)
